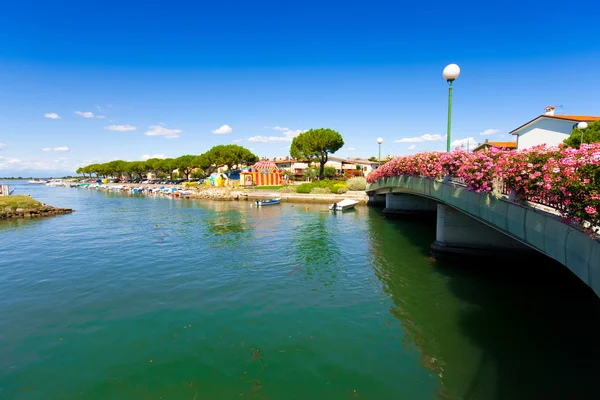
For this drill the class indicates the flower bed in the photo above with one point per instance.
(568, 179)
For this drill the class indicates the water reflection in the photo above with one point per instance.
(316, 254)
(490, 331)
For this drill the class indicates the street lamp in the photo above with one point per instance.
(450, 73)
(379, 141)
(581, 126)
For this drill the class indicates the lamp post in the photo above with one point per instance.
(450, 73)
(379, 141)
(581, 126)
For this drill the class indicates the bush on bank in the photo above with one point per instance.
(332, 186)
(357, 183)
(565, 177)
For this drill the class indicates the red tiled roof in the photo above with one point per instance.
(577, 118)
(510, 145)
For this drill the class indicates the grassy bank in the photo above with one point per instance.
(15, 202)
(26, 207)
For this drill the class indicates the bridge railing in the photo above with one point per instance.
(505, 190)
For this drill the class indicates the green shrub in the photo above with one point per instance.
(339, 188)
(320, 190)
(357, 183)
(304, 188)
(331, 186)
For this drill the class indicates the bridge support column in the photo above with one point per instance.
(459, 234)
(377, 200)
(403, 205)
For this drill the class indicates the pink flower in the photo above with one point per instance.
(590, 210)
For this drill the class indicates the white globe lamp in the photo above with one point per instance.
(451, 72)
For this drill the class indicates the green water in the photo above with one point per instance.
(146, 298)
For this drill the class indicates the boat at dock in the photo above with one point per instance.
(37, 182)
(346, 204)
(270, 202)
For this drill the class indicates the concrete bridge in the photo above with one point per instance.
(482, 224)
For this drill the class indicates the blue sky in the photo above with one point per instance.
(178, 72)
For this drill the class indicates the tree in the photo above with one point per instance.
(591, 134)
(185, 164)
(205, 163)
(329, 172)
(156, 165)
(137, 167)
(373, 159)
(230, 155)
(168, 166)
(316, 145)
(310, 173)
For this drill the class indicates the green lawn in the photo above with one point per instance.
(15, 202)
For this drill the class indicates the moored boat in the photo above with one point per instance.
(37, 182)
(346, 204)
(270, 202)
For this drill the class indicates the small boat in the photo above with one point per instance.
(37, 182)
(270, 202)
(346, 204)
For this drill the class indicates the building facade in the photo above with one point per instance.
(548, 129)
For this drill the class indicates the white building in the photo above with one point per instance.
(548, 129)
(291, 164)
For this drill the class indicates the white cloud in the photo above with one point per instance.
(85, 114)
(100, 116)
(287, 136)
(2, 146)
(148, 156)
(52, 115)
(465, 144)
(424, 138)
(269, 139)
(157, 130)
(47, 149)
(237, 140)
(60, 149)
(16, 164)
(412, 147)
(120, 128)
(292, 133)
(489, 132)
(223, 130)
(350, 148)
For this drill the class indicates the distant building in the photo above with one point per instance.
(499, 145)
(548, 129)
(340, 164)
(365, 165)
(291, 164)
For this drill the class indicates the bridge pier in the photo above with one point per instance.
(408, 205)
(377, 200)
(459, 234)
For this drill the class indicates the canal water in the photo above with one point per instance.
(155, 298)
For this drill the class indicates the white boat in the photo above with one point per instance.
(57, 183)
(37, 182)
(343, 205)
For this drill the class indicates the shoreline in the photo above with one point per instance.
(20, 206)
(239, 194)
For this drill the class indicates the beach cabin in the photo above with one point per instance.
(262, 173)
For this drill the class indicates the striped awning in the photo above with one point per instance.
(265, 166)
